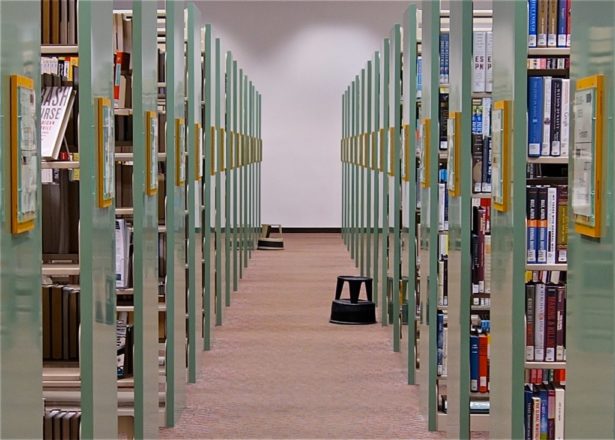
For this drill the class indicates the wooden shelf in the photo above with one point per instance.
(561, 267)
(545, 365)
(60, 269)
(561, 160)
(161, 308)
(125, 291)
(558, 73)
(59, 50)
(548, 51)
(59, 165)
(480, 308)
(481, 195)
(122, 111)
(124, 212)
(481, 94)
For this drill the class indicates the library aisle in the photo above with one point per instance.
(279, 369)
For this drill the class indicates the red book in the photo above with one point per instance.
(550, 323)
(117, 73)
(483, 363)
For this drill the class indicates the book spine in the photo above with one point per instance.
(556, 116)
(541, 254)
(544, 413)
(568, 21)
(487, 263)
(446, 58)
(536, 418)
(562, 224)
(532, 223)
(483, 365)
(550, 323)
(551, 413)
(441, 203)
(474, 373)
(440, 342)
(532, 24)
(441, 52)
(530, 294)
(527, 414)
(535, 109)
(481, 250)
(479, 48)
(561, 324)
(565, 118)
(477, 163)
(541, 29)
(552, 24)
(474, 251)
(551, 224)
(561, 23)
(546, 118)
(489, 62)
(539, 323)
(560, 395)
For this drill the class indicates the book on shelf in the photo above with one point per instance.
(60, 323)
(443, 100)
(549, 63)
(482, 61)
(545, 322)
(56, 106)
(549, 23)
(122, 63)
(441, 342)
(481, 145)
(544, 412)
(61, 424)
(419, 75)
(480, 246)
(122, 253)
(59, 22)
(444, 58)
(547, 224)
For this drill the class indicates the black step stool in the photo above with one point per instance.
(353, 310)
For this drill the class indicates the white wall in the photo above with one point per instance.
(301, 55)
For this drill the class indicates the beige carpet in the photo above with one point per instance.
(279, 369)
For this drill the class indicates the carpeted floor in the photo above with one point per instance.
(279, 369)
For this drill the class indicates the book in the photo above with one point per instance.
(479, 53)
(440, 343)
(552, 208)
(545, 149)
(56, 106)
(535, 112)
(532, 223)
(556, 116)
(541, 227)
(474, 369)
(489, 63)
(562, 17)
(541, 28)
(552, 24)
(560, 396)
(560, 343)
(565, 118)
(483, 363)
(568, 21)
(530, 294)
(528, 394)
(543, 394)
(536, 416)
(539, 323)
(550, 323)
(532, 24)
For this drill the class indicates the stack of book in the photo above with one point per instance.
(544, 412)
(480, 340)
(61, 424)
(122, 48)
(482, 62)
(442, 238)
(480, 251)
(442, 343)
(545, 322)
(548, 116)
(549, 23)
(547, 224)
(61, 321)
(59, 22)
(481, 145)
(444, 58)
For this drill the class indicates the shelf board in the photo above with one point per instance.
(481, 94)
(124, 212)
(558, 73)
(548, 51)
(477, 396)
(562, 160)
(122, 111)
(561, 267)
(61, 374)
(59, 164)
(481, 195)
(56, 49)
(161, 84)
(480, 308)
(125, 291)
(546, 365)
(162, 307)
(60, 269)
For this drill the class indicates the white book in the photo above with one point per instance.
(565, 126)
(56, 105)
(441, 206)
(560, 394)
(479, 48)
(535, 418)
(441, 283)
(121, 253)
(551, 225)
(546, 121)
(539, 323)
(488, 263)
(444, 352)
(489, 63)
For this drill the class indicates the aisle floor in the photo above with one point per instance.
(279, 369)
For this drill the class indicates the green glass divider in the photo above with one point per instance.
(236, 147)
(219, 276)
(429, 211)
(250, 200)
(361, 170)
(384, 170)
(590, 306)
(175, 212)
(377, 177)
(145, 225)
(459, 220)
(209, 251)
(193, 78)
(409, 103)
(508, 229)
(97, 252)
(353, 174)
(228, 232)
(260, 159)
(395, 103)
(240, 147)
(368, 173)
(244, 176)
(20, 272)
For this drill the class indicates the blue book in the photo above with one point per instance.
(535, 91)
(441, 58)
(532, 25)
(446, 57)
(440, 342)
(419, 76)
(474, 363)
(562, 15)
(544, 412)
(527, 414)
(531, 217)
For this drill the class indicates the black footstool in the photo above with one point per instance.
(353, 310)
